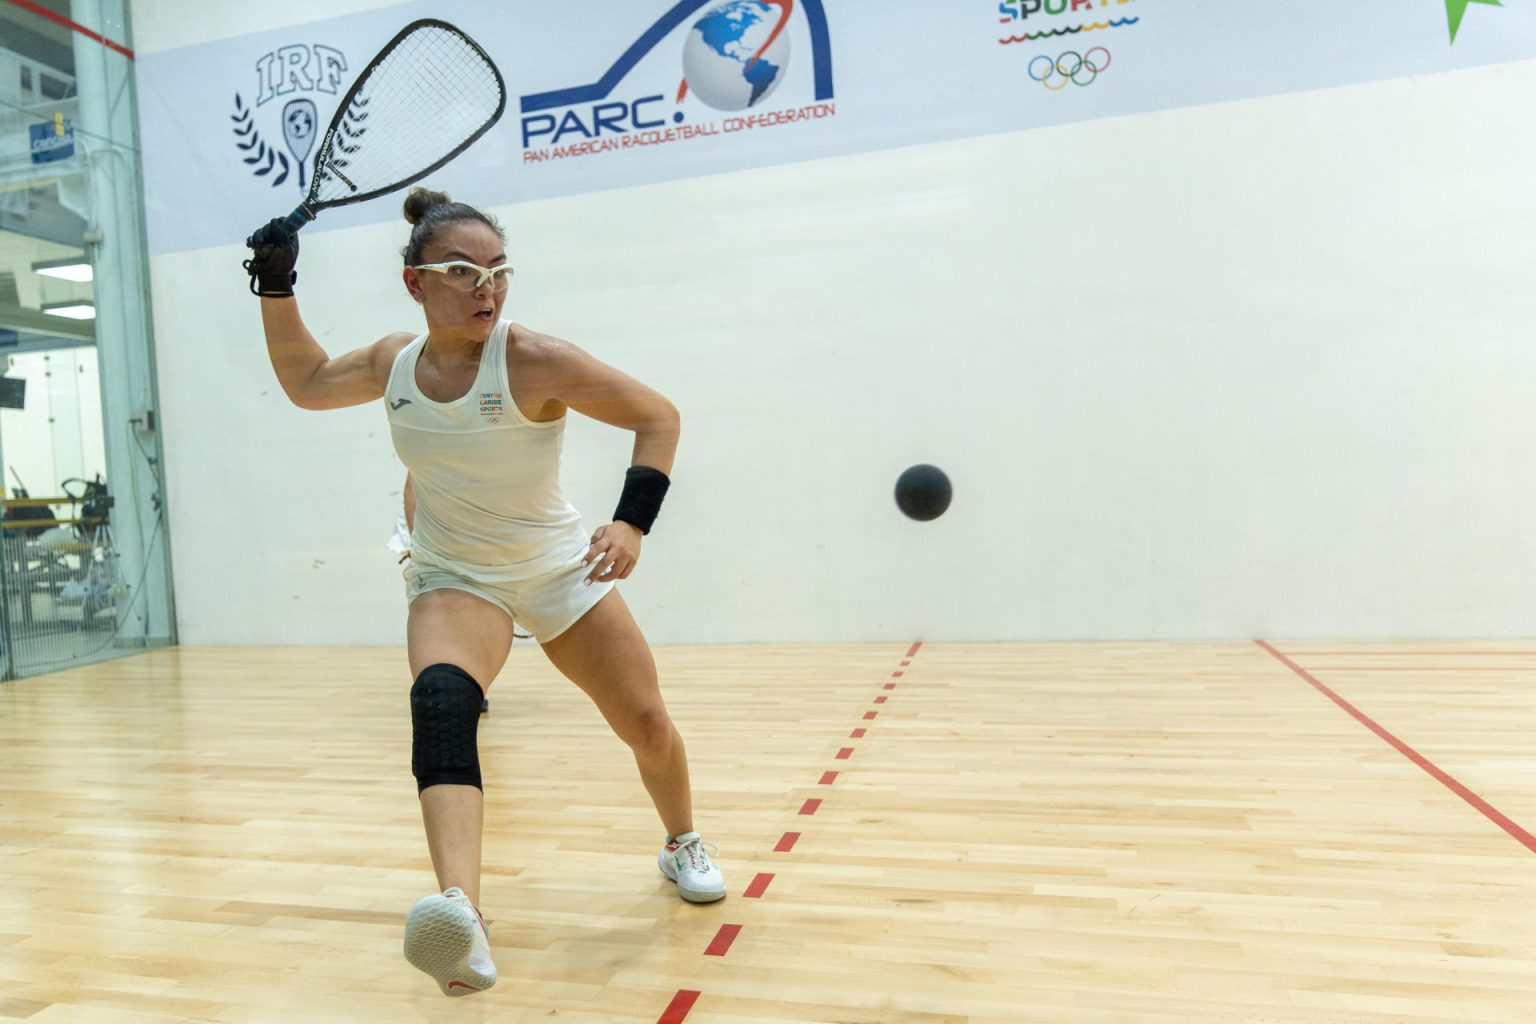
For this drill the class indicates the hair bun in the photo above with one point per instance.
(422, 200)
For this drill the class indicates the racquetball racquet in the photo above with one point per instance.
(420, 102)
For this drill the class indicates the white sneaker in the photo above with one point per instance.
(686, 861)
(446, 937)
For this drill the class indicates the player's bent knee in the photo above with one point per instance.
(445, 717)
(650, 732)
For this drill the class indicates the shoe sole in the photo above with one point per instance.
(691, 895)
(438, 942)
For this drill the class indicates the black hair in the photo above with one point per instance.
(427, 211)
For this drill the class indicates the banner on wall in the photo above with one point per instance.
(612, 93)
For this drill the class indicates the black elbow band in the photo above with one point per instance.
(644, 488)
(445, 718)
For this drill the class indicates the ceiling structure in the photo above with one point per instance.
(31, 35)
(36, 225)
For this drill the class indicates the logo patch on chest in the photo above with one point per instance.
(492, 405)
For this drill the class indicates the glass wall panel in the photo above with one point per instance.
(83, 549)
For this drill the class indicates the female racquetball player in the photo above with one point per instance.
(477, 409)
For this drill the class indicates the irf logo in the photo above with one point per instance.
(300, 68)
(287, 71)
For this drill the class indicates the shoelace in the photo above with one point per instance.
(698, 850)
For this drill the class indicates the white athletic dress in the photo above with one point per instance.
(487, 479)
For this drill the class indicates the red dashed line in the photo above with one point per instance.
(684, 1000)
(723, 939)
(679, 1007)
(857, 734)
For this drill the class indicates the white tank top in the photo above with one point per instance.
(487, 479)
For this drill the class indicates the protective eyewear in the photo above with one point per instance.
(468, 277)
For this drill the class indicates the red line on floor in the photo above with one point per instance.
(1483, 807)
(881, 700)
(723, 939)
(1416, 654)
(1426, 668)
(678, 1008)
(683, 1002)
(869, 716)
(857, 734)
(73, 26)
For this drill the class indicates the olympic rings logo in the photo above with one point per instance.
(1078, 68)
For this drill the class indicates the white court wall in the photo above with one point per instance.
(1254, 368)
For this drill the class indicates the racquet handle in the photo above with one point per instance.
(297, 219)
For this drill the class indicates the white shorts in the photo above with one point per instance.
(545, 606)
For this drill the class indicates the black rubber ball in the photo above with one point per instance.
(923, 492)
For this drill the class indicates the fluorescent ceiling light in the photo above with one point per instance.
(74, 268)
(73, 310)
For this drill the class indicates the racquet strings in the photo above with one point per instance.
(429, 96)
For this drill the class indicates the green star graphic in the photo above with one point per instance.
(1455, 9)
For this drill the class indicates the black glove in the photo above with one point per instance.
(276, 250)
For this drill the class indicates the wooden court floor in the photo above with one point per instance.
(1109, 834)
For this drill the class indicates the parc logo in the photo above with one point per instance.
(724, 57)
(296, 75)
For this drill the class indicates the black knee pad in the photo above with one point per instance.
(445, 716)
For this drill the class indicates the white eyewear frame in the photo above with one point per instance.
(497, 275)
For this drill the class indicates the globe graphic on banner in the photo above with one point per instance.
(718, 58)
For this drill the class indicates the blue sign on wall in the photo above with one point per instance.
(49, 143)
